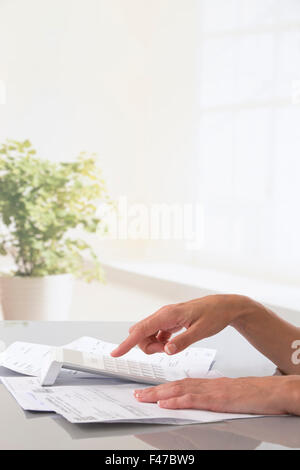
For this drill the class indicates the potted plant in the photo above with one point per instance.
(43, 206)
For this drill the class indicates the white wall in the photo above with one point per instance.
(111, 76)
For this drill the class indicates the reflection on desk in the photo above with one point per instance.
(232, 435)
(243, 435)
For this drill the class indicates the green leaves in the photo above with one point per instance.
(2, 249)
(41, 202)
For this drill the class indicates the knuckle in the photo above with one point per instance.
(175, 309)
(189, 399)
(177, 388)
(184, 384)
(167, 308)
(172, 307)
(133, 327)
(143, 348)
(140, 328)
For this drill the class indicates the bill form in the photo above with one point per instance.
(102, 401)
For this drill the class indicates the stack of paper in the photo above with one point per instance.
(82, 398)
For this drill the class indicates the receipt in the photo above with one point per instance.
(25, 358)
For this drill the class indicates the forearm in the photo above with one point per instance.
(268, 333)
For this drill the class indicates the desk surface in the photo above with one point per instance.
(20, 430)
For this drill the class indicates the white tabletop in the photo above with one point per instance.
(20, 430)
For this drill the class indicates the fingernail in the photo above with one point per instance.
(171, 348)
(160, 404)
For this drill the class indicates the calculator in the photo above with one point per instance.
(107, 366)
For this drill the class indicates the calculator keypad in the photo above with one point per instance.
(133, 369)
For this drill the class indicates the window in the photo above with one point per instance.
(249, 136)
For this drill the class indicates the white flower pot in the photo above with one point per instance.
(39, 298)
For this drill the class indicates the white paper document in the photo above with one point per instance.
(24, 358)
(102, 401)
(85, 398)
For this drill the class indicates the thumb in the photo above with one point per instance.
(181, 342)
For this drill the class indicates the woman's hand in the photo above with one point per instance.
(201, 318)
(267, 395)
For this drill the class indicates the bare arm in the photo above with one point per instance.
(268, 333)
(207, 316)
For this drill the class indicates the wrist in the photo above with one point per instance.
(290, 395)
(244, 309)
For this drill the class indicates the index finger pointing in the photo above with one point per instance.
(141, 331)
(134, 338)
